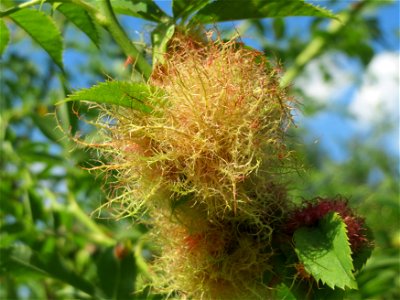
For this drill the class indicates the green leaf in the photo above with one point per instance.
(15, 260)
(117, 273)
(183, 8)
(160, 38)
(278, 25)
(23, 259)
(220, 10)
(128, 273)
(107, 271)
(57, 267)
(31, 151)
(4, 36)
(325, 293)
(36, 204)
(284, 292)
(145, 9)
(325, 252)
(81, 19)
(127, 94)
(43, 30)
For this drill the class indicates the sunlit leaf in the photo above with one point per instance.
(146, 9)
(220, 10)
(42, 29)
(183, 8)
(4, 36)
(325, 252)
(122, 93)
(81, 19)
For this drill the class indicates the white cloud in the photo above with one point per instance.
(339, 69)
(377, 99)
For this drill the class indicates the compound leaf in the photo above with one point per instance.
(42, 29)
(325, 252)
(220, 10)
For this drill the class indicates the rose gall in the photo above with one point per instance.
(312, 212)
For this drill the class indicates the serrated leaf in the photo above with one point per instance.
(160, 38)
(183, 8)
(4, 36)
(42, 29)
(220, 10)
(81, 19)
(127, 94)
(325, 252)
(145, 9)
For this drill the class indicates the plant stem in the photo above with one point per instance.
(19, 7)
(122, 39)
(96, 233)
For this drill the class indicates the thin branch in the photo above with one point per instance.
(122, 39)
(317, 45)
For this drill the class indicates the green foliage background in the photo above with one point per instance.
(52, 244)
